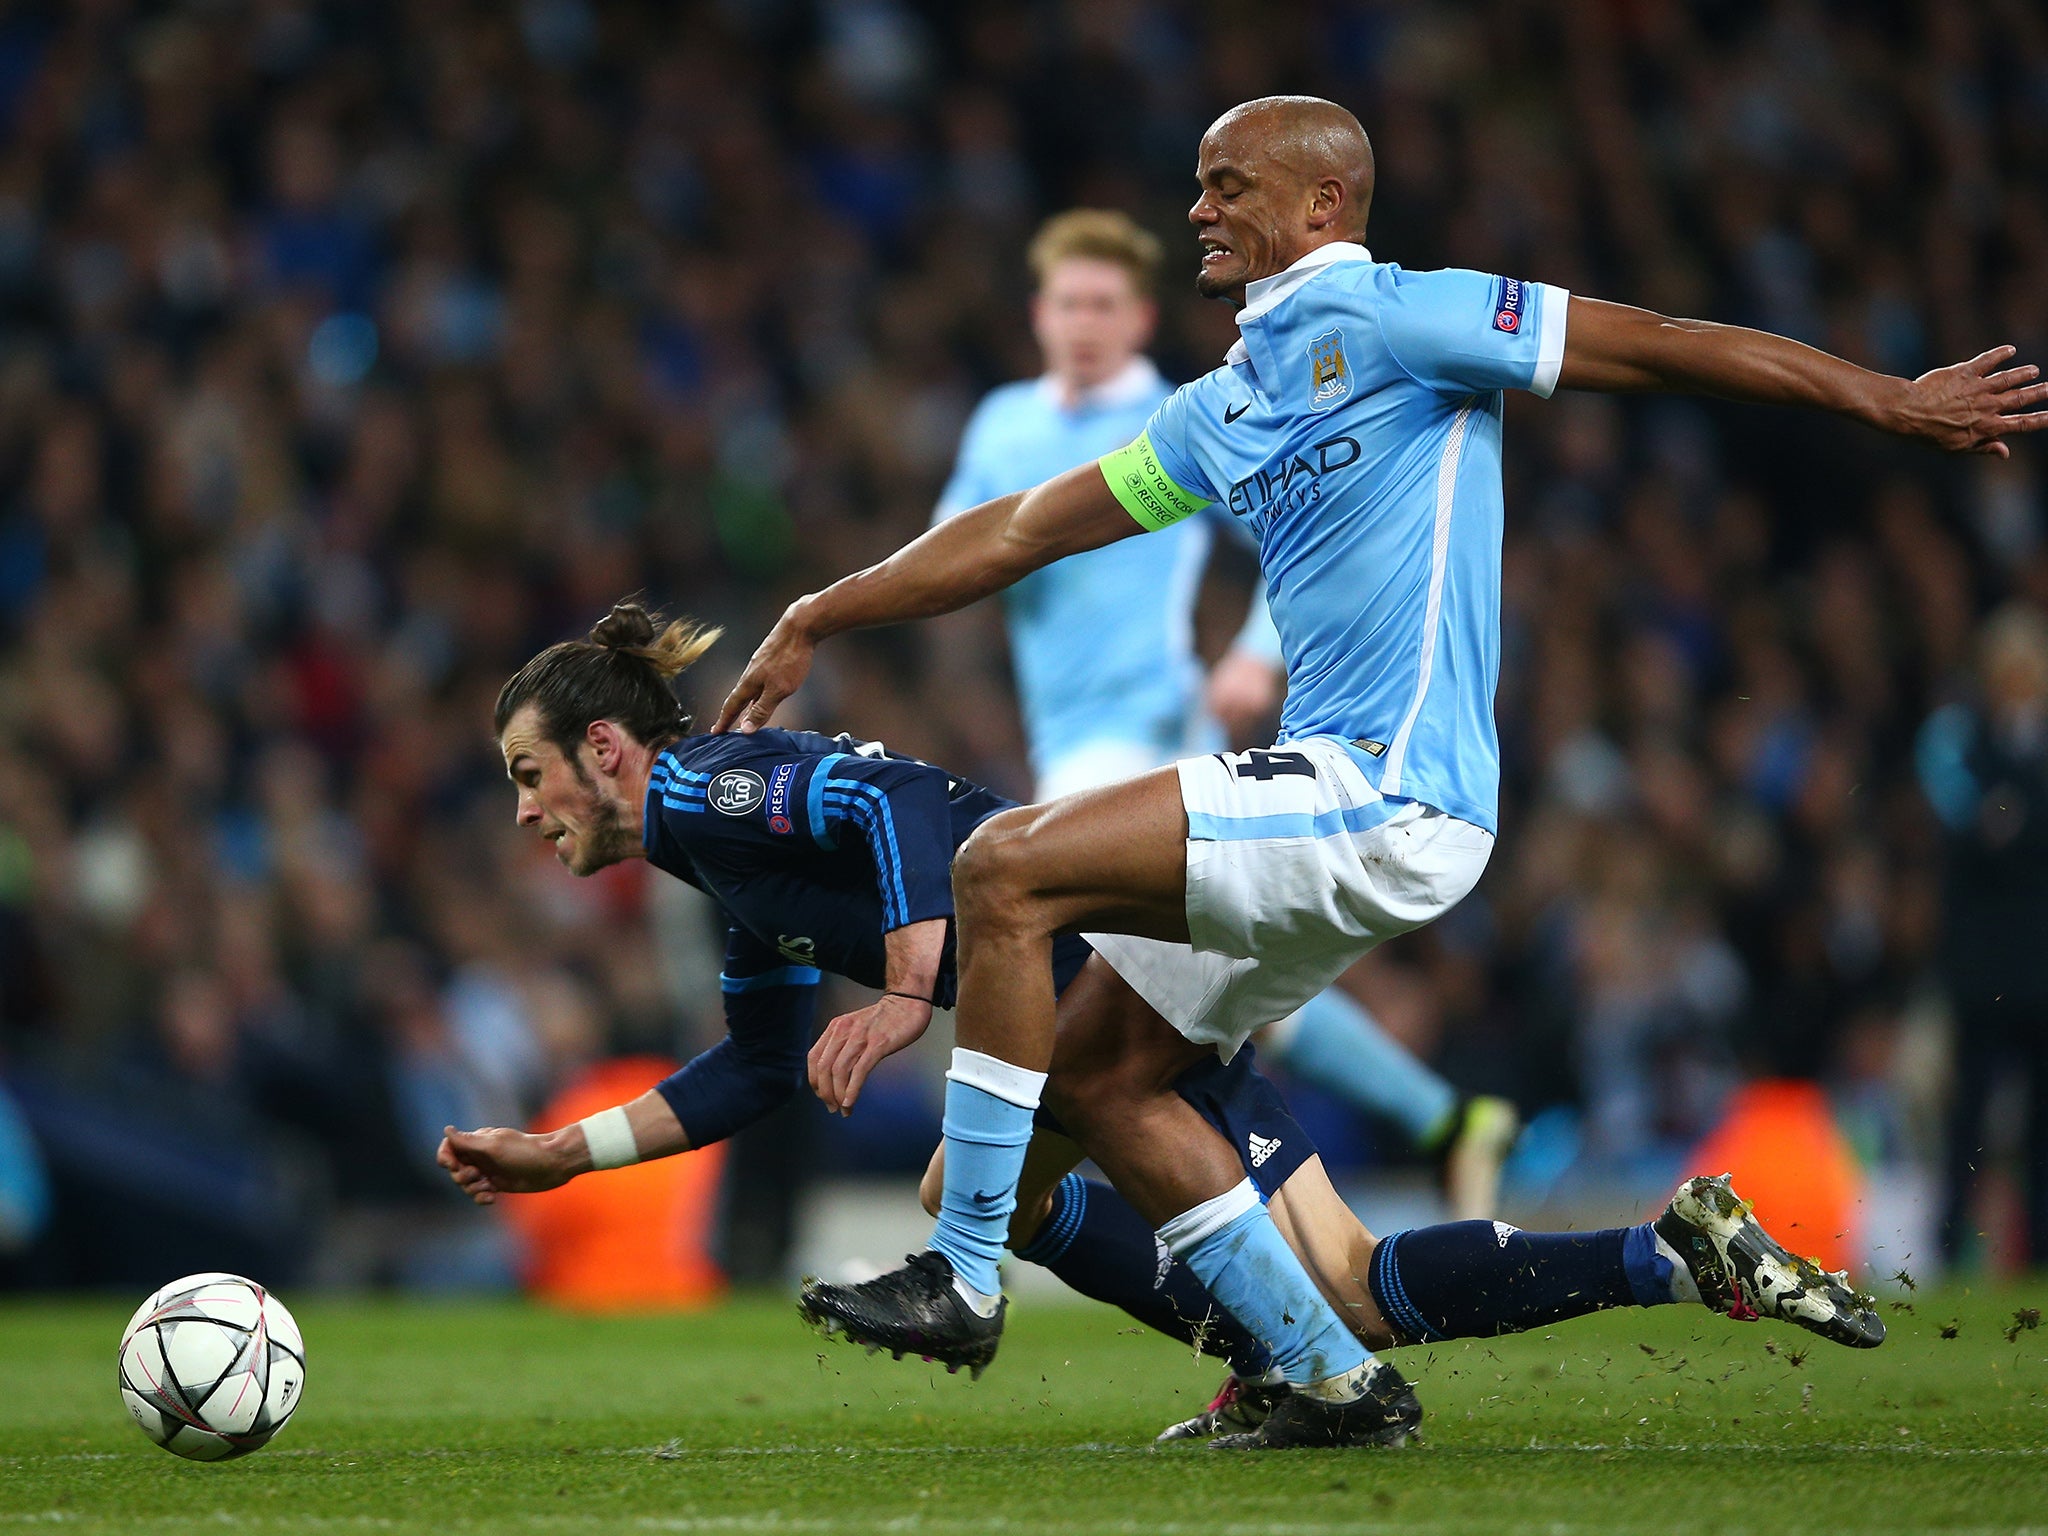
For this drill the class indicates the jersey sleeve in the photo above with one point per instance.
(769, 1008)
(1156, 477)
(902, 810)
(1471, 331)
(969, 484)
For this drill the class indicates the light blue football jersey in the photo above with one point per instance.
(1355, 431)
(1102, 642)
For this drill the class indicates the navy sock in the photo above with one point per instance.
(1476, 1279)
(1104, 1249)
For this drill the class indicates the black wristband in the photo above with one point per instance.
(913, 998)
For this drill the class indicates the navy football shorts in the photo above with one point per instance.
(1249, 1112)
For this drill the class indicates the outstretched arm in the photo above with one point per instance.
(769, 1005)
(498, 1160)
(962, 559)
(1965, 408)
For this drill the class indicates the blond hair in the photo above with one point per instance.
(1095, 234)
(630, 628)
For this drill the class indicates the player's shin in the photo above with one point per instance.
(1232, 1245)
(989, 1107)
(1099, 1245)
(1476, 1279)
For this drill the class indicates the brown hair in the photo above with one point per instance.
(621, 673)
(1096, 234)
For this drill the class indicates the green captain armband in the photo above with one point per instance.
(1146, 491)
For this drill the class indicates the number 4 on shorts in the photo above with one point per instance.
(1263, 765)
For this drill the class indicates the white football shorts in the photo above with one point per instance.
(1297, 866)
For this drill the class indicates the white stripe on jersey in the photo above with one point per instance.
(1446, 484)
(1550, 342)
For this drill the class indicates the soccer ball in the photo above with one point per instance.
(211, 1367)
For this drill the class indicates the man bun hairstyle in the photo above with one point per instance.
(1096, 234)
(623, 672)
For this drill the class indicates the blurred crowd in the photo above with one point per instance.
(350, 352)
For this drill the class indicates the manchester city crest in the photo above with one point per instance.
(1329, 370)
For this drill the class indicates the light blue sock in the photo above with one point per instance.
(1234, 1249)
(1334, 1044)
(989, 1105)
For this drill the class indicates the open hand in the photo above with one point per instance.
(493, 1161)
(777, 669)
(1973, 407)
(852, 1043)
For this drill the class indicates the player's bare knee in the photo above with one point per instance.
(992, 881)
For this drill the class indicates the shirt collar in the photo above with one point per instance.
(1264, 294)
(1131, 383)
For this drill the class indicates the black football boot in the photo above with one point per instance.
(1385, 1414)
(910, 1311)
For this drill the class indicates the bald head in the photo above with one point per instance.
(1280, 176)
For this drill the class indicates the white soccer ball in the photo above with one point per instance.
(211, 1367)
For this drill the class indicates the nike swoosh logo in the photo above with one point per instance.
(985, 1198)
(1231, 414)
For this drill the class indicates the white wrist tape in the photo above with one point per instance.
(610, 1136)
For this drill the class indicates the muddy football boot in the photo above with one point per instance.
(1386, 1414)
(1240, 1406)
(910, 1311)
(1742, 1270)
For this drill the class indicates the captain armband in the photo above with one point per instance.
(1145, 490)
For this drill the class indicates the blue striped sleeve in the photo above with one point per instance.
(769, 1008)
(675, 787)
(901, 812)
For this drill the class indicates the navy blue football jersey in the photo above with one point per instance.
(816, 847)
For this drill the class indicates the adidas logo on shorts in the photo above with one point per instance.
(1261, 1148)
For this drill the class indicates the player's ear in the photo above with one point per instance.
(607, 745)
(1326, 203)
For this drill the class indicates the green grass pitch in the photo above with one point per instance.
(504, 1418)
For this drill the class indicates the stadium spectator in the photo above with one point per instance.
(1984, 767)
(350, 353)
